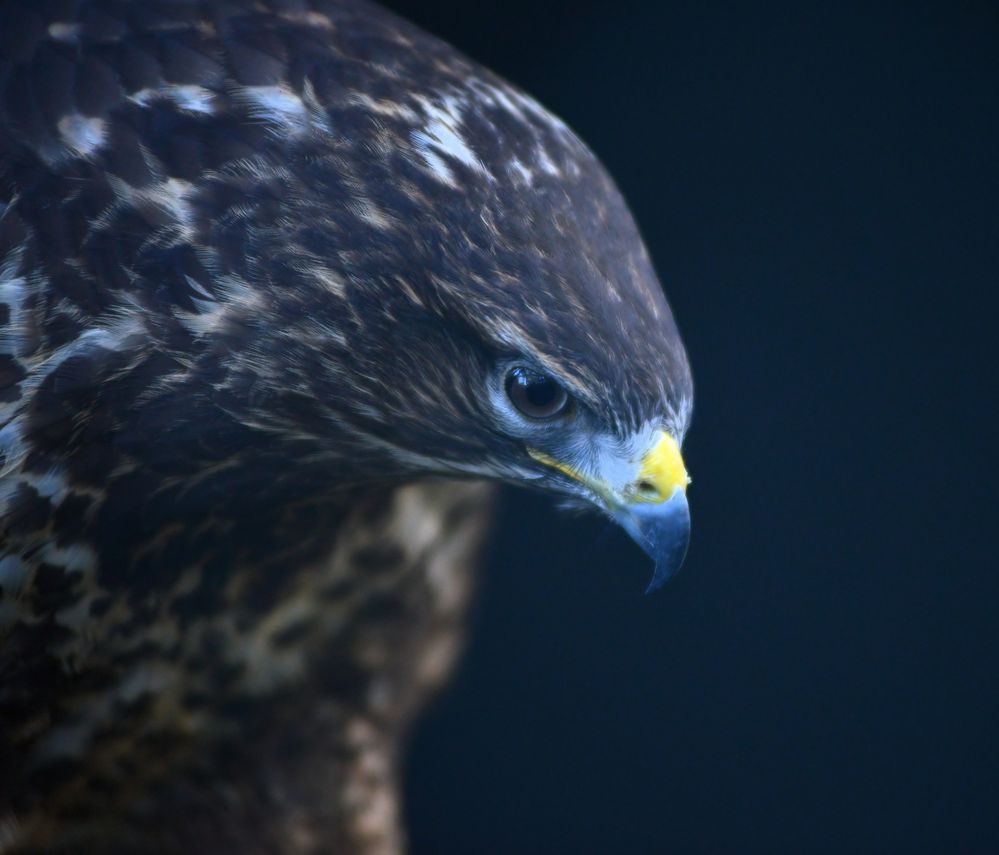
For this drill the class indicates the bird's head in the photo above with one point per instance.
(544, 352)
(460, 289)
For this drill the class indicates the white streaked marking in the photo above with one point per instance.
(517, 104)
(188, 97)
(276, 105)
(70, 739)
(76, 558)
(368, 211)
(64, 31)
(12, 447)
(498, 97)
(205, 321)
(520, 171)
(438, 167)
(82, 134)
(51, 485)
(394, 109)
(526, 109)
(233, 295)
(546, 163)
(14, 450)
(441, 136)
(172, 196)
(326, 277)
(117, 336)
(13, 291)
(199, 289)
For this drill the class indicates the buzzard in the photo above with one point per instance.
(284, 286)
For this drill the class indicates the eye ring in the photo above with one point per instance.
(535, 395)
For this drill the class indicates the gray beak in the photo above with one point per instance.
(662, 530)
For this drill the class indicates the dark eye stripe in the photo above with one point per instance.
(536, 395)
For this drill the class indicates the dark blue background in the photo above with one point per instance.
(818, 187)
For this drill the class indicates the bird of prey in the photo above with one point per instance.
(285, 285)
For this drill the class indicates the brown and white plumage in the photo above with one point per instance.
(263, 270)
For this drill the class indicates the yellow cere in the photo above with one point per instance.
(662, 472)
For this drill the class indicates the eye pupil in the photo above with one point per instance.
(536, 395)
(541, 394)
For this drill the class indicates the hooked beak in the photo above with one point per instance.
(658, 517)
(653, 510)
(663, 531)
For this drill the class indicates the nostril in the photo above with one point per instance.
(647, 490)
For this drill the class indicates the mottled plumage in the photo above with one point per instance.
(262, 269)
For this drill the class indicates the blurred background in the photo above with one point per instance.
(818, 187)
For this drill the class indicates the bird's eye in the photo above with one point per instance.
(536, 395)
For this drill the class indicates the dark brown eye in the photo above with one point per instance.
(536, 395)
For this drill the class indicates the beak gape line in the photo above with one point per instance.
(653, 510)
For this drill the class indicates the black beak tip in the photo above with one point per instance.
(663, 532)
(666, 570)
